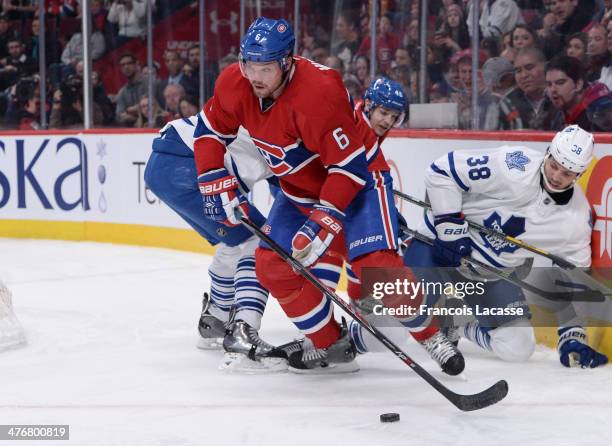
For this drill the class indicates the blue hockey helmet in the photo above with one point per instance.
(268, 40)
(389, 94)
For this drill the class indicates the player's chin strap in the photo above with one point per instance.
(549, 186)
(492, 395)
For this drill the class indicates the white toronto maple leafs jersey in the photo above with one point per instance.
(242, 158)
(500, 188)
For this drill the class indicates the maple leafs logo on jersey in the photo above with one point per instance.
(514, 226)
(517, 160)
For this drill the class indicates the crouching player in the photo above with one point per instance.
(529, 195)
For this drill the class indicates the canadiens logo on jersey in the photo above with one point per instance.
(284, 160)
(514, 226)
(517, 160)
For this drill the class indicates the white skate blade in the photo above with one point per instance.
(210, 343)
(239, 363)
(332, 369)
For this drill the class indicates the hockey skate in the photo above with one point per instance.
(445, 353)
(337, 358)
(246, 352)
(212, 330)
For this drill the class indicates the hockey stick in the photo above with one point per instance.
(559, 261)
(582, 296)
(487, 397)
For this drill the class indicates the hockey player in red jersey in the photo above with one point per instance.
(299, 116)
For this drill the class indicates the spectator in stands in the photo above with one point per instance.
(174, 64)
(577, 47)
(488, 104)
(191, 72)
(73, 51)
(570, 17)
(188, 106)
(597, 50)
(335, 63)
(159, 118)
(99, 17)
(386, 44)
(173, 93)
(606, 71)
(401, 58)
(453, 30)
(52, 50)
(403, 75)
(319, 55)
(129, 15)
(67, 109)
(226, 61)
(16, 65)
(29, 118)
(347, 39)
(535, 110)
(6, 33)
(362, 70)
(126, 111)
(23, 111)
(100, 97)
(498, 74)
(354, 88)
(523, 37)
(20, 9)
(551, 42)
(497, 17)
(607, 14)
(410, 40)
(588, 105)
(158, 91)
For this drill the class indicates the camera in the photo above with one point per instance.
(25, 89)
(72, 90)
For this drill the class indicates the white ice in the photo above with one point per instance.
(112, 334)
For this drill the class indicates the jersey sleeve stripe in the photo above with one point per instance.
(451, 163)
(205, 129)
(351, 157)
(436, 169)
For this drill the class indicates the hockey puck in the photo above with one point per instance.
(389, 417)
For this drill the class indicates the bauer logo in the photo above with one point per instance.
(49, 173)
(365, 241)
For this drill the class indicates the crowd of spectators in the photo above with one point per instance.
(542, 63)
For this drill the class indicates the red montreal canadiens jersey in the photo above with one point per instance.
(308, 136)
(374, 155)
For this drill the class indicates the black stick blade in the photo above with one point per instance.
(488, 397)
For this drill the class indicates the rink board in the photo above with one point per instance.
(89, 186)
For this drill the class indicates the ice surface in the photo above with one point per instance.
(112, 334)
